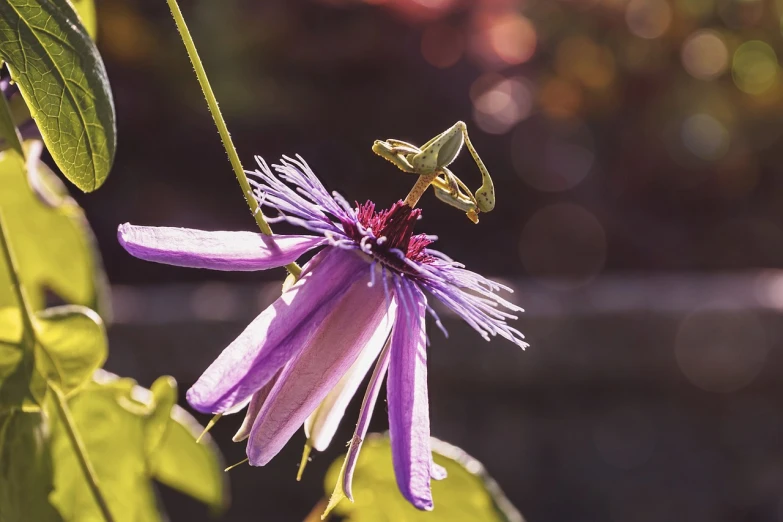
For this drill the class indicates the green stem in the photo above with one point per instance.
(81, 452)
(233, 157)
(13, 272)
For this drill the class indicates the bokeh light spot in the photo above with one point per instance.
(721, 350)
(442, 45)
(563, 246)
(704, 55)
(513, 38)
(705, 137)
(648, 18)
(755, 67)
(502, 105)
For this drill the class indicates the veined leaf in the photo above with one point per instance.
(46, 228)
(70, 345)
(63, 80)
(133, 435)
(114, 440)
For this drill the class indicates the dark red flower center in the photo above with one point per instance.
(396, 226)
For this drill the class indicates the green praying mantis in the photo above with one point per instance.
(430, 163)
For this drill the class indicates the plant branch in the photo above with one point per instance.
(220, 123)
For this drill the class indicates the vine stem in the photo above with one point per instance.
(81, 452)
(220, 123)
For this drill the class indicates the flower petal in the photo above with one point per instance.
(253, 408)
(278, 334)
(342, 489)
(409, 419)
(365, 414)
(321, 425)
(214, 250)
(359, 321)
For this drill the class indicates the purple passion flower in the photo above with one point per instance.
(360, 300)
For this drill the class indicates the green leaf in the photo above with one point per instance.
(25, 468)
(132, 435)
(114, 439)
(71, 345)
(86, 11)
(11, 350)
(187, 466)
(173, 455)
(46, 228)
(16, 364)
(468, 493)
(63, 80)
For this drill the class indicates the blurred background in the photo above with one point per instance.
(636, 150)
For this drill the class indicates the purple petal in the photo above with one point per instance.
(365, 414)
(321, 425)
(359, 321)
(214, 250)
(278, 334)
(253, 408)
(409, 419)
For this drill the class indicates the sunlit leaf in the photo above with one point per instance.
(164, 398)
(86, 11)
(114, 439)
(132, 436)
(10, 341)
(16, 364)
(192, 468)
(25, 468)
(63, 80)
(71, 345)
(50, 237)
(174, 457)
(466, 494)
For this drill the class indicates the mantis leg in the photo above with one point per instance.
(399, 143)
(403, 149)
(384, 150)
(452, 186)
(485, 195)
(450, 191)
